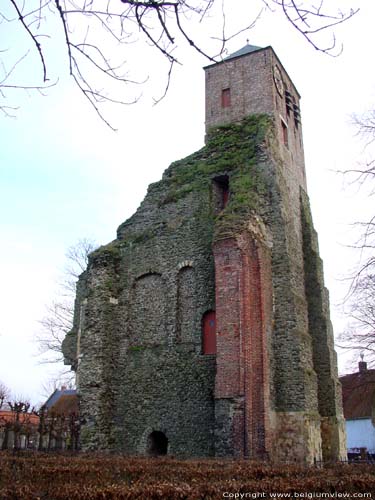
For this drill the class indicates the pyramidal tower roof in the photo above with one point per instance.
(245, 50)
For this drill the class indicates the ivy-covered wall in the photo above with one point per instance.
(141, 366)
(137, 337)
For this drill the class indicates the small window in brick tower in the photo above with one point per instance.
(225, 98)
(209, 333)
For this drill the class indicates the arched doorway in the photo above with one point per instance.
(157, 444)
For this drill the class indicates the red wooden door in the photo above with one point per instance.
(209, 333)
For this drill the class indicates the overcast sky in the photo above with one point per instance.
(64, 175)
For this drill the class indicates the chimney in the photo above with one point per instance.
(362, 365)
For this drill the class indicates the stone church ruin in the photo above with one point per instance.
(203, 329)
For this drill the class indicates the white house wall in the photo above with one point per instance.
(361, 434)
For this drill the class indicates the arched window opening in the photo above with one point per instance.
(157, 444)
(209, 333)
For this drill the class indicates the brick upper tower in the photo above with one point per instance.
(203, 328)
(275, 358)
(252, 81)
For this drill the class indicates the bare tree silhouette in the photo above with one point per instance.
(97, 38)
(58, 320)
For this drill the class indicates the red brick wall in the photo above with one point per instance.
(249, 79)
(243, 312)
(227, 282)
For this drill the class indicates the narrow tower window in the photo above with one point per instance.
(288, 102)
(209, 333)
(284, 128)
(221, 192)
(225, 98)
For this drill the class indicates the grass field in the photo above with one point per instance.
(29, 476)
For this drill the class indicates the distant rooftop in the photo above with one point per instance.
(358, 393)
(57, 394)
(245, 50)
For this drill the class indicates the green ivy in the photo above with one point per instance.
(234, 150)
(136, 348)
(112, 250)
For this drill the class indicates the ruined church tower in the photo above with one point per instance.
(203, 329)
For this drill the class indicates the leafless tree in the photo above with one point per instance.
(4, 423)
(58, 320)
(19, 409)
(311, 18)
(62, 380)
(360, 333)
(5, 429)
(58, 429)
(4, 394)
(77, 259)
(18, 422)
(99, 39)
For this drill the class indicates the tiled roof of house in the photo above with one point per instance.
(10, 416)
(56, 395)
(67, 404)
(358, 393)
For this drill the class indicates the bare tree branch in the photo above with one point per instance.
(360, 333)
(310, 20)
(98, 38)
(63, 379)
(33, 38)
(4, 394)
(58, 320)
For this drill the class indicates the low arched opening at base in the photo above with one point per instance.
(157, 444)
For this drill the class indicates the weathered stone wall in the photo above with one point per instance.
(296, 438)
(141, 367)
(256, 81)
(272, 388)
(320, 329)
(160, 380)
(165, 383)
(98, 341)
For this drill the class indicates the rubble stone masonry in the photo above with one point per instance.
(227, 229)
